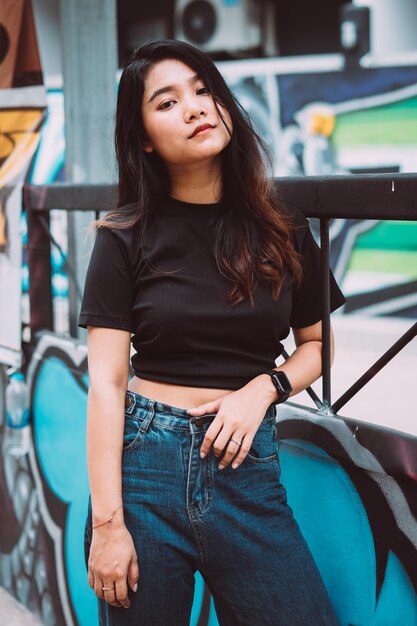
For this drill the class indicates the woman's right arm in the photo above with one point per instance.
(112, 560)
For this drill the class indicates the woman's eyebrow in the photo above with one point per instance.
(168, 88)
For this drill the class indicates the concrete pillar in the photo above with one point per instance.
(89, 46)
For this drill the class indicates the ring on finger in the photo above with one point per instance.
(239, 443)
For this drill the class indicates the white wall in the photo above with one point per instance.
(393, 25)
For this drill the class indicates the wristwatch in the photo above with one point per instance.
(281, 384)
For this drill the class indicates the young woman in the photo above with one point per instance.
(208, 271)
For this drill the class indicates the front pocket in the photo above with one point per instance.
(132, 435)
(264, 448)
(264, 459)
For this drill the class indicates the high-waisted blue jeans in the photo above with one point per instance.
(233, 525)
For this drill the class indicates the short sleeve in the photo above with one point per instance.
(306, 299)
(108, 292)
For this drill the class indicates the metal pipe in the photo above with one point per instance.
(362, 196)
(325, 313)
(375, 368)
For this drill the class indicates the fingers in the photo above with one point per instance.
(90, 577)
(109, 594)
(114, 595)
(209, 407)
(116, 592)
(243, 450)
(217, 435)
(210, 437)
(98, 586)
(225, 440)
(225, 435)
(234, 447)
(133, 573)
(233, 444)
(121, 592)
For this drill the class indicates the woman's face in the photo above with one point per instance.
(176, 103)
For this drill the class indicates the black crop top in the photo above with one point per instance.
(184, 331)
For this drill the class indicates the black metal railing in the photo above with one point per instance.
(363, 196)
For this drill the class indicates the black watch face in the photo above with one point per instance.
(283, 381)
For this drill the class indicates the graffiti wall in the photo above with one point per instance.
(22, 112)
(320, 119)
(352, 488)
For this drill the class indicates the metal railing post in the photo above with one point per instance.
(410, 334)
(325, 286)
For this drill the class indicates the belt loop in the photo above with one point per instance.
(147, 420)
(130, 402)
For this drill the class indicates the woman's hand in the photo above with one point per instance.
(239, 415)
(113, 563)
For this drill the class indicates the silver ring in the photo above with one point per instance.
(239, 443)
(108, 588)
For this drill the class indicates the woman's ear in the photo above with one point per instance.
(147, 145)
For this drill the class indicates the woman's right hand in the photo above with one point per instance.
(113, 563)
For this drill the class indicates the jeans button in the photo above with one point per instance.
(128, 402)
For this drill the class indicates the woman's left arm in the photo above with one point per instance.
(240, 412)
(303, 367)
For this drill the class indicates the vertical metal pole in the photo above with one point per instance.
(40, 271)
(89, 36)
(325, 283)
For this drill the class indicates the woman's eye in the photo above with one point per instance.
(166, 104)
(203, 90)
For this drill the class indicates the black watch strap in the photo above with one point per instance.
(281, 384)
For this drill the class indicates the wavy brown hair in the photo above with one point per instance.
(254, 234)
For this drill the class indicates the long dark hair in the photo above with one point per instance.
(254, 235)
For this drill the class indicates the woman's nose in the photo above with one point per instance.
(194, 109)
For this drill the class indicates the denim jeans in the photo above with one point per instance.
(233, 525)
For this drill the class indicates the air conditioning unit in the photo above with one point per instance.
(219, 25)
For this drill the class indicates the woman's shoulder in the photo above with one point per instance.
(119, 237)
(123, 225)
(114, 238)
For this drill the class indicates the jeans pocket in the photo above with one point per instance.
(264, 448)
(132, 433)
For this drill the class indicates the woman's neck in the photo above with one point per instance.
(197, 184)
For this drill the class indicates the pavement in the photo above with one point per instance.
(13, 613)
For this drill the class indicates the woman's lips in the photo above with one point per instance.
(202, 129)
